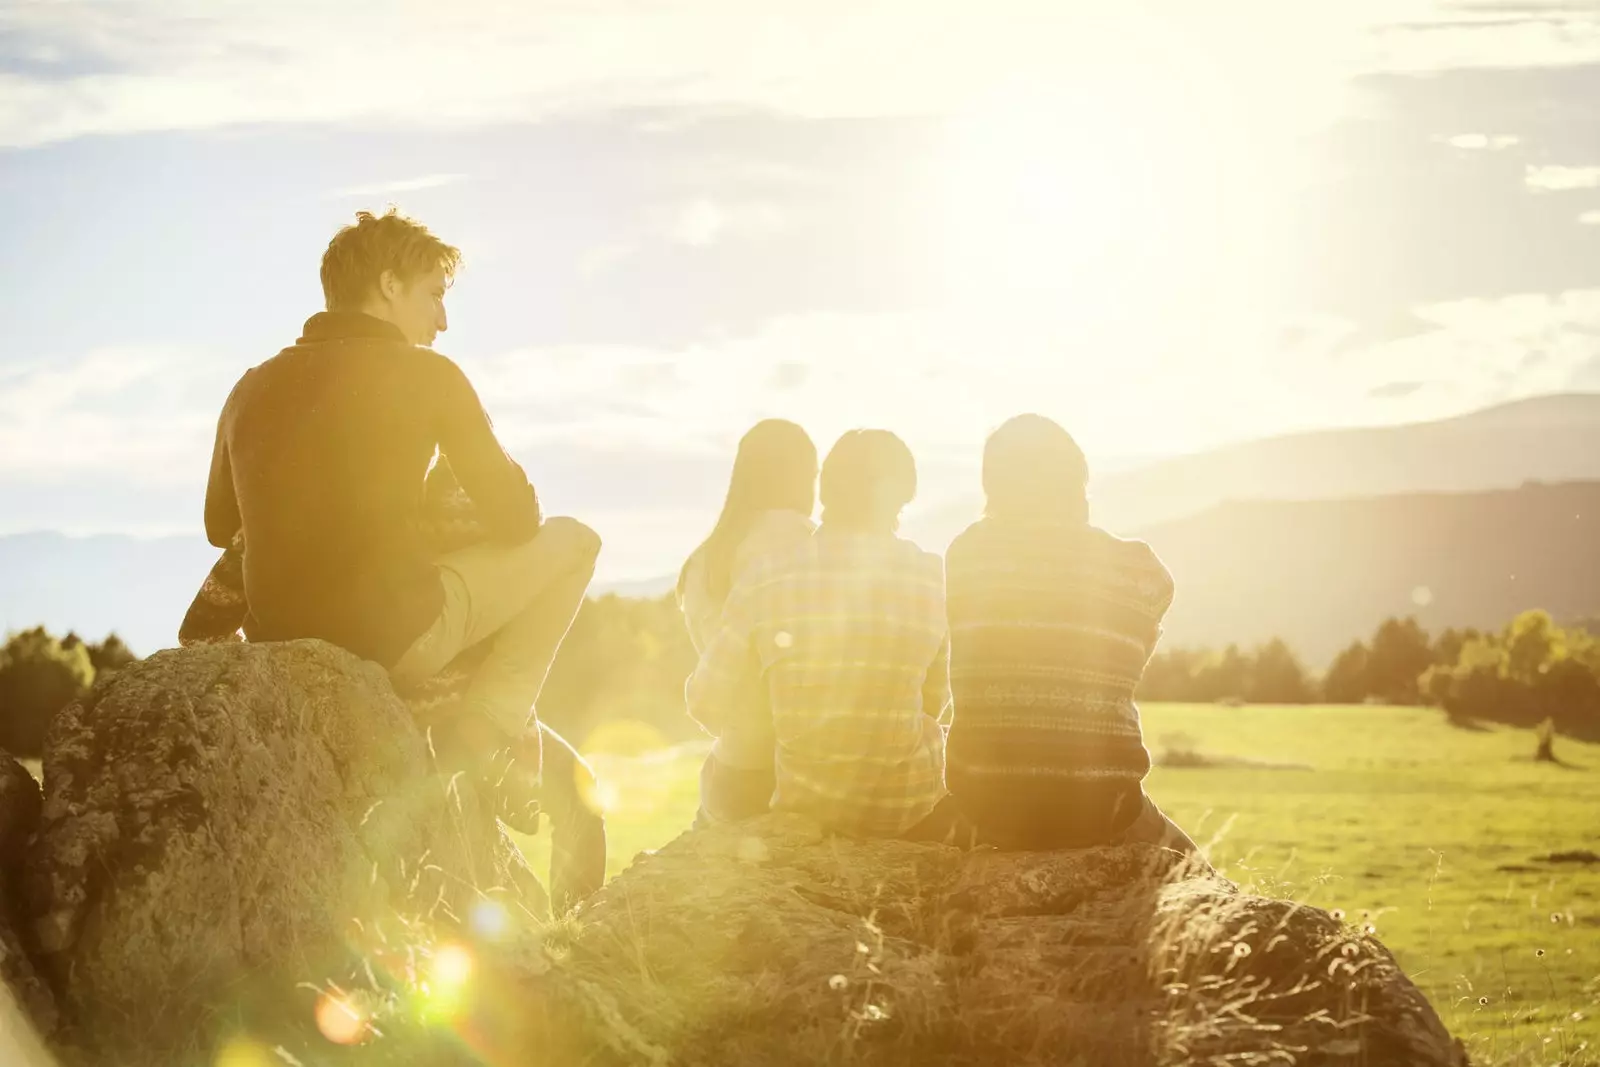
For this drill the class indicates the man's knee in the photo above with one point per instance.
(573, 539)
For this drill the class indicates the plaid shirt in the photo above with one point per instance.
(849, 632)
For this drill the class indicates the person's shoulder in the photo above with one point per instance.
(1130, 550)
(924, 563)
(774, 531)
(969, 539)
(1137, 560)
(253, 374)
(428, 361)
(788, 549)
(239, 395)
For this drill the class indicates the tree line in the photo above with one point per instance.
(625, 660)
(40, 674)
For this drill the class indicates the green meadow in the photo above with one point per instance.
(1433, 834)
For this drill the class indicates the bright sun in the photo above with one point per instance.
(1027, 199)
(1082, 194)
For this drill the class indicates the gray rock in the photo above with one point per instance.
(223, 822)
(771, 944)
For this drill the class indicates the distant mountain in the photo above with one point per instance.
(1321, 573)
(1548, 439)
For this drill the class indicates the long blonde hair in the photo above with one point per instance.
(775, 468)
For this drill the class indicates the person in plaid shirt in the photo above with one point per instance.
(848, 630)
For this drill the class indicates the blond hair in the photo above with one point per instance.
(360, 252)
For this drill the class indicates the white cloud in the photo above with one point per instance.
(126, 410)
(130, 65)
(602, 258)
(1444, 39)
(1477, 352)
(1561, 179)
(402, 185)
(1590, 218)
(1478, 142)
(703, 222)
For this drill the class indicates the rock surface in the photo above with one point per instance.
(19, 816)
(223, 822)
(769, 944)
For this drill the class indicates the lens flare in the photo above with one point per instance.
(243, 1052)
(340, 1021)
(489, 920)
(452, 966)
(605, 797)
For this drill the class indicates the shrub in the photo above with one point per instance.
(39, 675)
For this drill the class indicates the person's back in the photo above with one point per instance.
(322, 453)
(850, 630)
(771, 494)
(847, 628)
(1051, 625)
(1052, 622)
(771, 532)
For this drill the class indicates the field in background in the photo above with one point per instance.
(1431, 833)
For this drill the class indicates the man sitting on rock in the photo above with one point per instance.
(847, 630)
(319, 466)
(1051, 624)
(566, 787)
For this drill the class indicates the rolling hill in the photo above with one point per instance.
(1321, 573)
(1547, 439)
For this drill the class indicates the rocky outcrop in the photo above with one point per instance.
(19, 816)
(252, 843)
(770, 944)
(223, 823)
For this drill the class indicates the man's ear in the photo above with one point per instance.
(389, 285)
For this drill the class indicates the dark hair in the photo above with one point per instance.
(1032, 466)
(359, 254)
(774, 468)
(867, 479)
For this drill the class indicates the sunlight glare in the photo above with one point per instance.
(1030, 196)
(340, 1021)
(489, 920)
(243, 1052)
(452, 966)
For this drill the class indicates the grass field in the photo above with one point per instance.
(1429, 832)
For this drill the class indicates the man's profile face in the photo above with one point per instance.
(416, 305)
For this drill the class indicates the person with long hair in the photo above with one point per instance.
(770, 498)
(845, 632)
(1052, 622)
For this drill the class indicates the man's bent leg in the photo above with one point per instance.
(577, 828)
(522, 601)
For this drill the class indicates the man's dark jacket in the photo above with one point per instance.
(320, 458)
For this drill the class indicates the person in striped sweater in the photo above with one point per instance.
(1052, 622)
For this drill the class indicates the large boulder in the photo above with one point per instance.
(769, 943)
(224, 823)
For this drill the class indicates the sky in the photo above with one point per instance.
(1169, 225)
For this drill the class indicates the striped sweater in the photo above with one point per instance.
(1051, 624)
